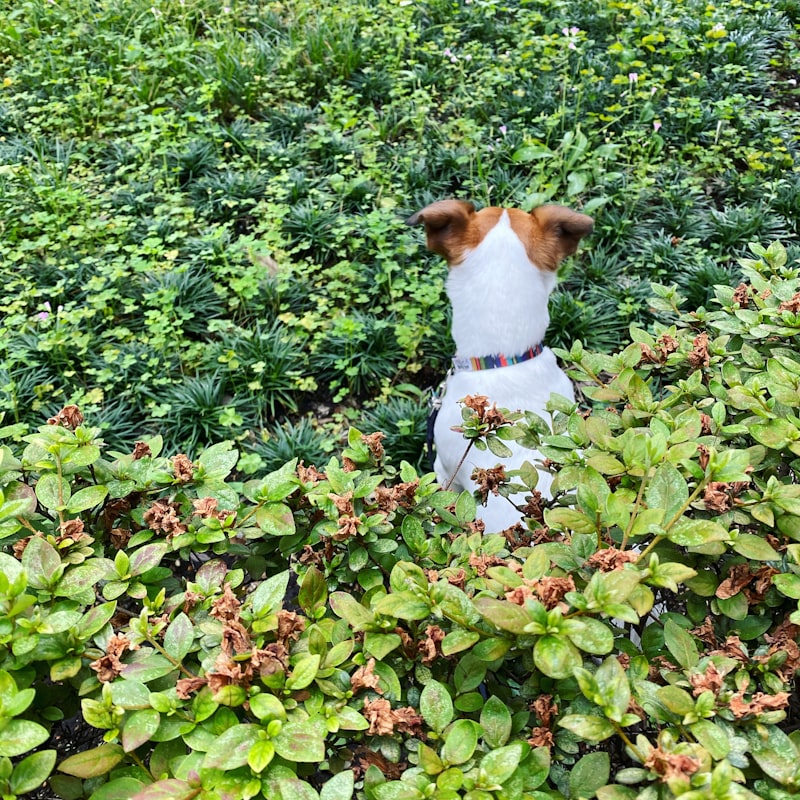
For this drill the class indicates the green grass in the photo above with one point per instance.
(213, 196)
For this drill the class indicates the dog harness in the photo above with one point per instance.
(466, 364)
(473, 364)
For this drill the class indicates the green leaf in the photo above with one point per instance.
(696, 532)
(21, 735)
(179, 637)
(52, 491)
(787, 584)
(496, 722)
(459, 640)
(340, 787)
(681, 644)
(303, 673)
(380, 645)
(466, 507)
(667, 490)
(436, 705)
(755, 547)
(348, 608)
(268, 597)
(218, 460)
(169, 789)
(260, 755)
(396, 790)
(232, 747)
(147, 557)
(276, 519)
(313, 592)
(303, 742)
(403, 605)
(32, 771)
(86, 498)
(93, 763)
(590, 635)
(119, 788)
(497, 447)
(139, 728)
(461, 741)
(503, 614)
(499, 765)
(267, 707)
(590, 728)
(556, 656)
(41, 561)
(589, 774)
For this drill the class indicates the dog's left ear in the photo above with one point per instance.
(563, 227)
(446, 223)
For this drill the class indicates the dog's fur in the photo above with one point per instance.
(503, 266)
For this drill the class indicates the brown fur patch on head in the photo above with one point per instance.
(448, 226)
(550, 233)
(557, 231)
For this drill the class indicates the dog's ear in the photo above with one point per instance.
(446, 223)
(559, 231)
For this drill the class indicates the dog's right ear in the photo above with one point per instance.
(446, 223)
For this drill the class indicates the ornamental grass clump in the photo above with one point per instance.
(348, 629)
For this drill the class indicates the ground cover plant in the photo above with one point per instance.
(202, 203)
(350, 631)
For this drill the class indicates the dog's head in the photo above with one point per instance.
(549, 233)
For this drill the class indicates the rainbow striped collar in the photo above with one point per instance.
(475, 363)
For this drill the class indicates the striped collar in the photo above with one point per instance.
(475, 363)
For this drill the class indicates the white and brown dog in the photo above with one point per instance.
(503, 266)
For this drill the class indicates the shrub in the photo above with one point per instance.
(352, 632)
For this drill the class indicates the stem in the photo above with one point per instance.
(169, 658)
(636, 507)
(628, 743)
(458, 466)
(678, 514)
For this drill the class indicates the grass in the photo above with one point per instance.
(201, 206)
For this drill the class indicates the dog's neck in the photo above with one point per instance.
(499, 298)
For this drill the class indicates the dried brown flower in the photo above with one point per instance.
(348, 527)
(373, 443)
(402, 495)
(310, 476)
(379, 715)
(109, 666)
(610, 559)
(365, 678)
(430, 646)
(69, 417)
(670, 765)
(712, 680)
(551, 590)
(541, 737)
(141, 450)
(290, 626)
(163, 517)
(666, 345)
(700, 355)
(489, 480)
(741, 295)
(793, 304)
(182, 467)
(186, 687)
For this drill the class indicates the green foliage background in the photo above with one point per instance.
(201, 205)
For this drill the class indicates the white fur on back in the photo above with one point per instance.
(499, 298)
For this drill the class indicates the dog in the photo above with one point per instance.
(502, 269)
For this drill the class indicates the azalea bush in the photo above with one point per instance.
(350, 629)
